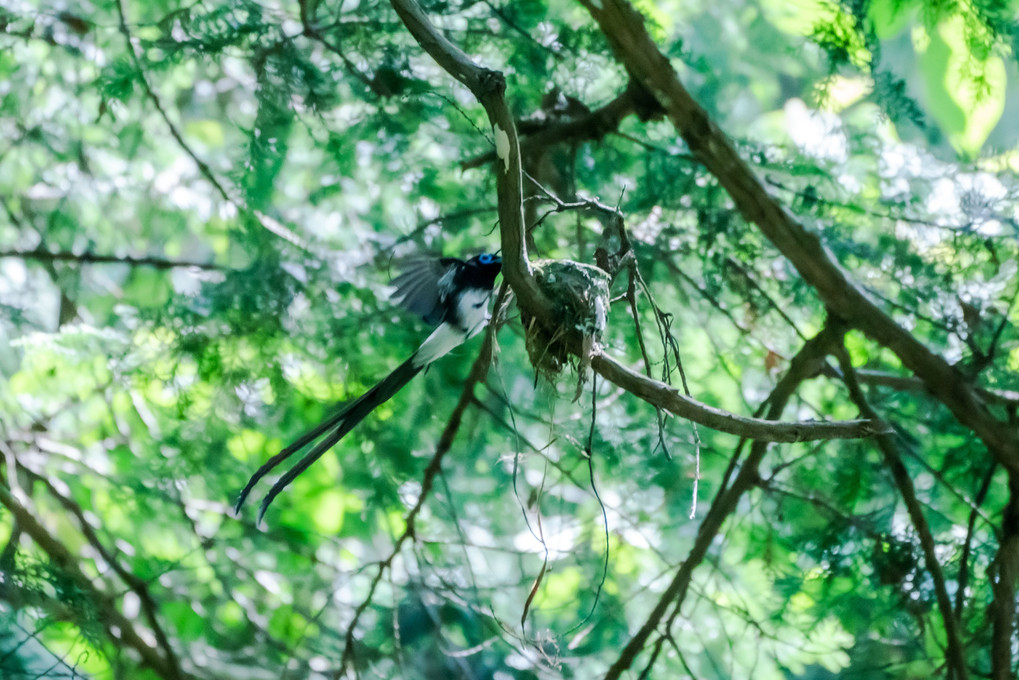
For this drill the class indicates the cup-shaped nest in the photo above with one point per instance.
(580, 301)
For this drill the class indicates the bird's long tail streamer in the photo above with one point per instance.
(333, 428)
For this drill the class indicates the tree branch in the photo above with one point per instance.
(660, 395)
(110, 616)
(92, 258)
(967, 546)
(1003, 575)
(489, 87)
(479, 370)
(133, 581)
(594, 125)
(624, 28)
(955, 655)
(268, 223)
(905, 383)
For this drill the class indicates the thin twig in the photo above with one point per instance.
(802, 367)
(138, 585)
(967, 545)
(267, 222)
(93, 258)
(589, 454)
(110, 616)
(477, 375)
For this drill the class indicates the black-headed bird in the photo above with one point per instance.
(446, 291)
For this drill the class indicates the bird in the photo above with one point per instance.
(448, 293)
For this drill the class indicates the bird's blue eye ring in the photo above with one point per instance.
(485, 259)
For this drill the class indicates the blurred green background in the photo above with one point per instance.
(203, 204)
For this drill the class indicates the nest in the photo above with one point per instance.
(580, 301)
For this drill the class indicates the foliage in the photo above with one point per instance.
(203, 204)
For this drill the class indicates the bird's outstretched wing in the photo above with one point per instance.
(423, 284)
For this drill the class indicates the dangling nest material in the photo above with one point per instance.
(580, 300)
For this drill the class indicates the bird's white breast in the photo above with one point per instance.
(472, 310)
(471, 316)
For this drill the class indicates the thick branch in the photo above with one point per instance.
(488, 87)
(629, 39)
(592, 126)
(660, 395)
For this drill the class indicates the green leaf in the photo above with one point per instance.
(966, 91)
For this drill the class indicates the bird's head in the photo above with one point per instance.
(482, 269)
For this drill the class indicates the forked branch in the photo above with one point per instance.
(628, 37)
(489, 88)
